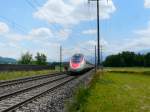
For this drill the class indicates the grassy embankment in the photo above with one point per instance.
(118, 90)
(21, 74)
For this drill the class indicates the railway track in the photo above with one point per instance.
(28, 79)
(15, 85)
(19, 98)
(12, 101)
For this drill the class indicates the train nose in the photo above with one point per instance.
(75, 65)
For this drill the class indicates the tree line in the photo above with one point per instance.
(39, 59)
(128, 59)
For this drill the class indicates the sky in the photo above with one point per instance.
(45, 25)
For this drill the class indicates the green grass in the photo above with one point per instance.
(78, 100)
(114, 92)
(21, 74)
(128, 69)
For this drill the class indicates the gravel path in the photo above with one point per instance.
(54, 101)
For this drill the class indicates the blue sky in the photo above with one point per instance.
(44, 25)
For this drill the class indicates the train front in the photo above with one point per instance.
(77, 63)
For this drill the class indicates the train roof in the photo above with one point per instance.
(78, 54)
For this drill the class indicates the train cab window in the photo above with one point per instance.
(77, 58)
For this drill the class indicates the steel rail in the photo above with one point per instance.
(13, 108)
(29, 88)
(28, 79)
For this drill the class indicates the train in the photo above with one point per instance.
(79, 64)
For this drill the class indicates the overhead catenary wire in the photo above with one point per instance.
(98, 31)
(90, 14)
(14, 24)
(36, 6)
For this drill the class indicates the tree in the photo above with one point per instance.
(147, 60)
(26, 58)
(128, 59)
(114, 61)
(41, 59)
(139, 60)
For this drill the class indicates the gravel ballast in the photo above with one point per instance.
(13, 88)
(55, 101)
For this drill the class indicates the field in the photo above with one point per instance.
(141, 70)
(117, 90)
(21, 74)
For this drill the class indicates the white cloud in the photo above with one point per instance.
(140, 41)
(93, 43)
(37, 40)
(87, 48)
(11, 49)
(46, 34)
(55, 11)
(15, 37)
(89, 32)
(14, 49)
(52, 50)
(143, 39)
(63, 34)
(63, 12)
(144, 32)
(31, 36)
(147, 3)
(72, 11)
(3, 28)
(41, 33)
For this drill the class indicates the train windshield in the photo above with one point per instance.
(77, 58)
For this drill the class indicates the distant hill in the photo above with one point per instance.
(5, 60)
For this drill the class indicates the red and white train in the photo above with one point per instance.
(79, 64)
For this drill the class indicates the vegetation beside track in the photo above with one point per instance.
(127, 91)
(21, 74)
(134, 70)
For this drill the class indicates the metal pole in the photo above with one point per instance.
(98, 35)
(102, 68)
(60, 58)
(95, 60)
(101, 57)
